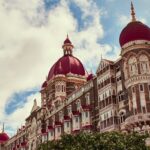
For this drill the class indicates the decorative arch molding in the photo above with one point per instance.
(130, 55)
(131, 65)
(143, 57)
(144, 62)
(143, 52)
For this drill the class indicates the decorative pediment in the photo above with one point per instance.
(35, 106)
(103, 63)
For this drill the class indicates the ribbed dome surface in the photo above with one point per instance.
(3, 137)
(134, 31)
(67, 64)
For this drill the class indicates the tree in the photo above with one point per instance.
(98, 141)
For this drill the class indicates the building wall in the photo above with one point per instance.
(117, 98)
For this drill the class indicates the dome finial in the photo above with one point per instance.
(133, 12)
(101, 56)
(3, 128)
(67, 46)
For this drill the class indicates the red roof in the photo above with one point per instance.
(50, 127)
(24, 143)
(134, 31)
(76, 113)
(86, 107)
(67, 118)
(67, 64)
(58, 123)
(3, 137)
(43, 131)
(87, 126)
(90, 77)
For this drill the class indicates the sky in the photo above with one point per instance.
(31, 36)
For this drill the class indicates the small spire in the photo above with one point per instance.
(101, 56)
(67, 46)
(34, 107)
(133, 12)
(35, 102)
(3, 128)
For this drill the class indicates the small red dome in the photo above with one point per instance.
(134, 31)
(3, 137)
(90, 76)
(44, 84)
(67, 41)
(67, 64)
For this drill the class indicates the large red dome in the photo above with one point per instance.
(67, 64)
(134, 31)
(3, 137)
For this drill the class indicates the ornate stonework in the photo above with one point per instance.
(116, 98)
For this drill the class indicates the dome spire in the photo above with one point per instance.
(67, 46)
(3, 129)
(133, 12)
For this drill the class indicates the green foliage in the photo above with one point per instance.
(98, 141)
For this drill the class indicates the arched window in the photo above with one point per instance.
(122, 117)
(132, 64)
(78, 104)
(144, 64)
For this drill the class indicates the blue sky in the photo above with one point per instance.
(33, 43)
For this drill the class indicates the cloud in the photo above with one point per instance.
(31, 40)
(17, 118)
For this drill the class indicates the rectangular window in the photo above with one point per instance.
(62, 88)
(87, 114)
(149, 87)
(122, 97)
(141, 87)
(88, 99)
(51, 133)
(58, 129)
(68, 124)
(135, 111)
(133, 89)
(143, 109)
(77, 119)
(69, 109)
(78, 105)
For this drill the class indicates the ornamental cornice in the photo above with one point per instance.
(137, 118)
(67, 78)
(138, 44)
(137, 79)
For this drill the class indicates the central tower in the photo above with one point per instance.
(64, 77)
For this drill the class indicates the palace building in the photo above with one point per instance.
(116, 98)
